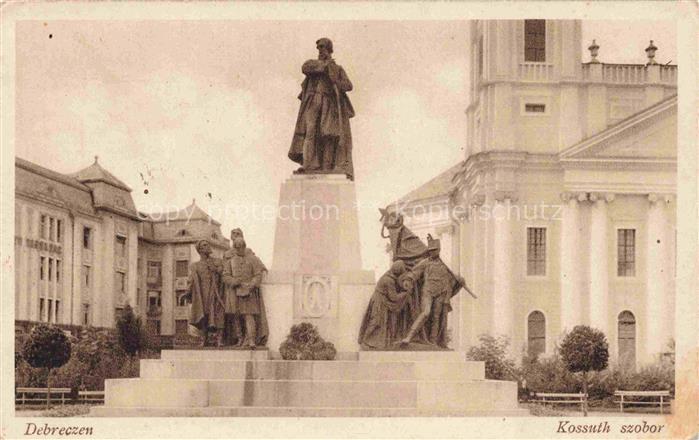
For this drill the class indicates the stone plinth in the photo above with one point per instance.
(316, 274)
(239, 383)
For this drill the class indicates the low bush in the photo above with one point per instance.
(549, 375)
(96, 355)
(493, 351)
(304, 343)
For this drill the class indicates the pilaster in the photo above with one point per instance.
(599, 262)
(503, 312)
(571, 299)
(658, 272)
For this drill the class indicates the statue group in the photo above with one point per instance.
(227, 306)
(412, 300)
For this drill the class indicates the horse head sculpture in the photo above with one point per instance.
(405, 245)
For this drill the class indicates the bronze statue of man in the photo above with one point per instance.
(207, 295)
(322, 140)
(242, 276)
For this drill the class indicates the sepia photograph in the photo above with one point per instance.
(231, 220)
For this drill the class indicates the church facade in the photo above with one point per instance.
(563, 211)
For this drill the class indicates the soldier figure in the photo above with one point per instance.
(242, 276)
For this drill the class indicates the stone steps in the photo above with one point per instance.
(311, 370)
(261, 411)
(441, 394)
(216, 382)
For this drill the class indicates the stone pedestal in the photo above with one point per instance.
(214, 383)
(316, 274)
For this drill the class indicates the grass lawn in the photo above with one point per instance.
(536, 409)
(79, 410)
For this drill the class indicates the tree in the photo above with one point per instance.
(585, 349)
(493, 351)
(131, 335)
(47, 347)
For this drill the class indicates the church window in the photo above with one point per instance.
(535, 41)
(536, 251)
(627, 339)
(536, 333)
(626, 250)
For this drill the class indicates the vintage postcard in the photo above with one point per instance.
(349, 219)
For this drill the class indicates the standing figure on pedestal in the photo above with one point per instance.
(438, 285)
(207, 295)
(242, 276)
(387, 318)
(322, 140)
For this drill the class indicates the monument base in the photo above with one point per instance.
(316, 274)
(213, 383)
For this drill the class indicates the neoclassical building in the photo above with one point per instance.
(83, 251)
(563, 211)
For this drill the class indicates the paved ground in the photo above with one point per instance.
(535, 410)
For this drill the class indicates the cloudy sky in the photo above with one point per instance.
(206, 109)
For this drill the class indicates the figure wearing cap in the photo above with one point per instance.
(438, 285)
(207, 296)
(322, 141)
(244, 308)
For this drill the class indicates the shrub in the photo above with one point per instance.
(548, 375)
(493, 351)
(132, 337)
(97, 356)
(584, 349)
(654, 377)
(304, 343)
(49, 348)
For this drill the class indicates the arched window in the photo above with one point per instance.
(627, 339)
(536, 333)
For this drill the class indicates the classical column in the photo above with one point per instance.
(599, 262)
(658, 268)
(502, 265)
(571, 301)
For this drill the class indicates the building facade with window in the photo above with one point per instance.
(167, 249)
(76, 246)
(563, 211)
(83, 251)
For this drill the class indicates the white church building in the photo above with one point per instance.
(563, 210)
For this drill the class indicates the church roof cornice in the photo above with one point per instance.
(628, 125)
